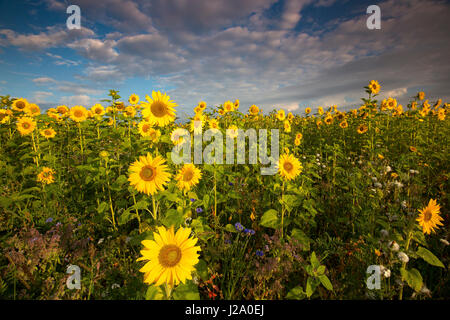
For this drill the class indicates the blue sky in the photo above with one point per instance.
(273, 53)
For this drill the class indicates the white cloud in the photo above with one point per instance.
(75, 100)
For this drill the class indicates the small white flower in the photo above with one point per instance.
(373, 190)
(324, 166)
(100, 241)
(444, 241)
(403, 257)
(388, 169)
(394, 246)
(398, 184)
(384, 233)
(378, 185)
(360, 162)
(374, 179)
(115, 286)
(318, 155)
(387, 273)
(404, 204)
(304, 158)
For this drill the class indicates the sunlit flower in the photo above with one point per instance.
(48, 133)
(98, 110)
(232, 131)
(148, 174)
(26, 125)
(172, 257)
(429, 217)
(228, 106)
(78, 114)
(374, 86)
(281, 115)
(308, 110)
(289, 166)
(177, 136)
(362, 128)
(19, 104)
(159, 109)
(254, 110)
(32, 110)
(188, 176)
(133, 99)
(421, 95)
(46, 176)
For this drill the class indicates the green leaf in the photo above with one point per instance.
(314, 261)
(413, 278)
(121, 180)
(326, 282)
(230, 228)
(296, 293)
(202, 269)
(429, 257)
(173, 218)
(300, 236)
(270, 219)
(126, 216)
(310, 287)
(321, 270)
(102, 207)
(187, 291)
(154, 293)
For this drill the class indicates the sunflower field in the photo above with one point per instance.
(358, 208)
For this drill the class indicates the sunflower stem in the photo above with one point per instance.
(154, 208)
(168, 291)
(137, 214)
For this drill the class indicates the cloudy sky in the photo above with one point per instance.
(273, 53)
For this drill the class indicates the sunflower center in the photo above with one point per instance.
(148, 173)
(169, 255)
(26, 125)
(78, 113)
(2, 116)
(47, 132)
(20, 104)
(427, 216)
(288, 166)
(98, 111)
(158, 109)
(188, 175)
(145, 127)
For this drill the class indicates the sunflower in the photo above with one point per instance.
(421, 95)
(133, 99)
(437, 104)
(328, 119)
(20, 104)
(374, 86)
(78, 114)
(154, 135)
(289, 166)
(119, 105)
(48, 133)
(202, 105)
(4, 116)
(297, 142)
(254, 110)
(26, 125)
(391, 103)
(412, 149)
(32, 110)
(46, 176)
(177, 136)
(362, 128)
(214, 124)
(197, 109)
(320, 110)
(343, 124)
(228, 106)
(281, 115)
(308, 110)
(236, 104)
(159, 109)
(429, 217)
(129, 112)
(188, 176)
(232, 131)
(172, 257)
(221, 112)
(287, 126)
(148, 174)
(62, 110)
(197, 123)
(98, 110)
(299, 136)
(441, 114)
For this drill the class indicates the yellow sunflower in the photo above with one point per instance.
(232, 131)
(78, 114)
(98, 110)
(197, 123)
(236, 104)
(20, 104)
(144, 128)
(281, 115)
(221, 112)
(48, 133)
(254, 110)
(202, 105)
(133, 99)
(421, 95)
(308, 110)
(343, 124)
(62, 110)
(4, 116)
(362, 128)
(299, 136)
(188, 176)
(320, 110)
(172, 257)
(297, 142)
(374, 86)
(26, 125)
(429, 217)
(328, 120)
(159, 109)
(148, 174)
(177, 136)
(391, 103)
(46, 176)
(154, 135)
(228, 106)
(197, 109)
(289, 166)
(287, 126)
(129, 112)
(214, 124)
(32, 110)
(290, 116)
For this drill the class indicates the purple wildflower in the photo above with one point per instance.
(238, 226)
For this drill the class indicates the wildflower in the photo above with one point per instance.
(228, 106)
(32, 110)
(159, 110)
(421, 95)
(403, 257)
(281, 115)
(374, 87)
(46, 176)
(362, 128)
(444, 241)
(172, 257)
(148, 174)
(104, 154)
(429, 217)
(254, 110)
(192, 200)
(308, 110)
(98, 110)
(249, 232)
(48, 133)
(199, 210)
(133, 99)
(238, 226)
(394, 246)
(49, 220)
(377, 252)
(259, 253)
(412, 149)
(19, 104)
